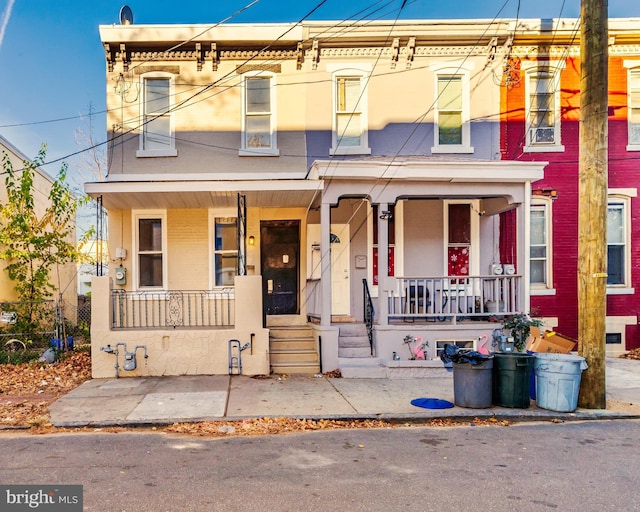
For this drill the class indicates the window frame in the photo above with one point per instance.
(360, 73)
(215, 213)
(633, 72)
(136, 216)
(171, 150)
(552, 71)
(547, 285)
(623, 199)
(245, 148)
(474, 235)
(464, 73)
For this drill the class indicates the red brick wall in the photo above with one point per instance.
(562, 175)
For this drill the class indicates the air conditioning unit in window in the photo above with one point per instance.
(542, 135)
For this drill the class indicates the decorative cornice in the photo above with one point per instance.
(557, 52)
(246, 68)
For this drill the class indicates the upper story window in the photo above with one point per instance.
(539, 247)
(156, 135)
(452, 128)
(543, 108)
(259, 136)
(150, 249)
(350, 133)
(633, 116)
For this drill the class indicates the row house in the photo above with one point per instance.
(540, 114)
(62, 282)
(308, 197)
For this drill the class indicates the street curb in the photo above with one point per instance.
(480, 414)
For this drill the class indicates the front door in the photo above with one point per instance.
(340, 282)
(280, 257)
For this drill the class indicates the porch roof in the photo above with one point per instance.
(125, 195)
(442, 169)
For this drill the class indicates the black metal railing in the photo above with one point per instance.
(176, 309)
(369, 312)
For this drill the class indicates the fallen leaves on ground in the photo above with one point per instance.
(632, 354)
(266, 426)
(27, 389)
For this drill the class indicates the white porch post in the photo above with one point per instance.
(325, 263)
(383, 265)
(524, 244)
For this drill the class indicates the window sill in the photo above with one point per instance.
(452, 149)
(157, 153)
(633, 147)
(259, 152)
(350, 151)
(542, 291)
(620, 291)
(544, 149)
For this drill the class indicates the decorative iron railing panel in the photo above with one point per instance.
(175, 309)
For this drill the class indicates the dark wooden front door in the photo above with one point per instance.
(280, 266)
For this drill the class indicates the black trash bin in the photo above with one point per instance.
(512, 379)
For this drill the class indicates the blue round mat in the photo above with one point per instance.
(431, 403)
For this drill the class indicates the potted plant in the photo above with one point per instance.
(519, 326)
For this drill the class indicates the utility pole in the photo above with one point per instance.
(592, 210)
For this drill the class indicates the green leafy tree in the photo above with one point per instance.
(35, 240)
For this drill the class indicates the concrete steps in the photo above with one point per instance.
(292, 349)
(354, 354)
(353, 341)
(362, 368)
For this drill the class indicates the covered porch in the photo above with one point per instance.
(438, 249)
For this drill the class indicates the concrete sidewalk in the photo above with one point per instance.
(166, 400)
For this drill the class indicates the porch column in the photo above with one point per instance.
(383, 265)
(325, 263)
(524, 247)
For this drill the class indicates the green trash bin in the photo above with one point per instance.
(512, 379)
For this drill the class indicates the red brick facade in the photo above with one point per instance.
(561, 175)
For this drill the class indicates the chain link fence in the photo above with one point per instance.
(35, 324)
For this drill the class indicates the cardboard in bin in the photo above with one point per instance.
(549, 342)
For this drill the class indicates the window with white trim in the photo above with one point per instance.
(150, 249)
(543, 109)
(452, 102)
(225, 250)
(259, 136)
(539, 246)
(156, 134)
(350, 134)
(617, 243)
(452, 127)
(634, 108)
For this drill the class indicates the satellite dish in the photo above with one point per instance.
(126, 15)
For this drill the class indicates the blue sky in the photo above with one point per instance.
(52, 65)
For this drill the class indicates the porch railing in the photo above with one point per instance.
(175, 309)
(369, 312)
(454, 298)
